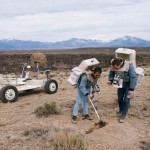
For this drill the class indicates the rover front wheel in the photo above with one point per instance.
(8, 93)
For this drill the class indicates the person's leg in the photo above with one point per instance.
(85, 109)
(120, 94)
(85, 105)
(126, 102)
(77, 103)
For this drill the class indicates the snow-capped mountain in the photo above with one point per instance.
(126, 41)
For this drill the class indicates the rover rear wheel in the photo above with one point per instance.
(51, 86)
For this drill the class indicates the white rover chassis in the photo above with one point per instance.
(9, 91)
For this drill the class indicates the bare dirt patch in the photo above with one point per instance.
(21, 129)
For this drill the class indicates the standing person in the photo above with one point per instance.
(121, 69)
(85, 83)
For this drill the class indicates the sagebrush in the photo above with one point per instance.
(47, 110)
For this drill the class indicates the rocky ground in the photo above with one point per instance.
(18, 118)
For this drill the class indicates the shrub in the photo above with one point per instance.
(68, 141)
(40, 57)
(35, 132)
(55, 138)
(145, 144)
(47, 109)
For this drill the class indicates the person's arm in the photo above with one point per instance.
(133, 78)
(111, 77)
(83, 84)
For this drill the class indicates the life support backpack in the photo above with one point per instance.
(140, 76)
(84, 68)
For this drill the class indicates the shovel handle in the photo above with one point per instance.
(94, 109)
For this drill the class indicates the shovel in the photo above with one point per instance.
(101, 123)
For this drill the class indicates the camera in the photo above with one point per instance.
(116, 80)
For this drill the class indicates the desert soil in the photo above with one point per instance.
(19, 117)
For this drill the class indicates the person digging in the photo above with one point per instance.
(86, 82)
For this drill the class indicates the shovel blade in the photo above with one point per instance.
(100, 124)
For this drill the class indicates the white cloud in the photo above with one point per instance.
(60, 20)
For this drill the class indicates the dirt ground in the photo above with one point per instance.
(134, 134)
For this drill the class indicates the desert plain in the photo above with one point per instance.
(22, 129)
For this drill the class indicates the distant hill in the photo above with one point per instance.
(126, 41)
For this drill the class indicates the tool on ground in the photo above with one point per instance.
(138, 112)
(101, 123)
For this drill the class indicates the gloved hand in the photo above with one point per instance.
(130, 94)
(109, 82)
(97, 88)
(92, 95)
(88, 96)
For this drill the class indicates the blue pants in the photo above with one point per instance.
(80, 98)
(123, 100)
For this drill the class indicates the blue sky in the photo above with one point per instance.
(58, 20)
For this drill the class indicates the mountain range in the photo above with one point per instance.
(126, 41)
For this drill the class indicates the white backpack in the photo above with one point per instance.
(84, 67)
(140, 76)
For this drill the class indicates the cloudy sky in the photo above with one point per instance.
(58, 20)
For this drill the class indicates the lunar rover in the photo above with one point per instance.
(10, 90)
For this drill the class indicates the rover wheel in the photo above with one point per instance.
(9, 93)
(51, 86)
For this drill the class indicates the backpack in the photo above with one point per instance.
(140, 76)
(84, 68)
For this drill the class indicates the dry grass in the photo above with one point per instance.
(40, 57)
(145, 144)
(68, 141)
(47, 110)
(35, 132)
(56, 138)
